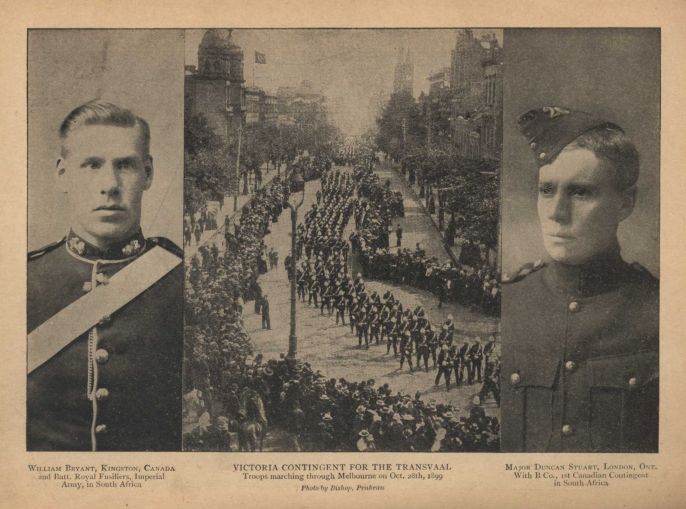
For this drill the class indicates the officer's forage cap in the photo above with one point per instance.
(550, 129)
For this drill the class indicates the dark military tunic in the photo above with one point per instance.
(580, 358)
(130, 363)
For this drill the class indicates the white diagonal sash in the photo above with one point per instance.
(60, 330)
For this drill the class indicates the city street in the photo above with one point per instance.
(214, 236)
(332, 348)
(417, 226)
(311, 126)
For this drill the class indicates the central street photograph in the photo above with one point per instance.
(341, 238)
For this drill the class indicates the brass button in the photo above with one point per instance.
(87, 286)
(574, 306)
(633, 382)
(542, 155)
(102, 278)
(567, 430)
(570, 365)
(533, 145)
(102, 394)
(515, 379)
(101, 356)
(101, 428)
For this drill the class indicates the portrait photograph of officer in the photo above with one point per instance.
(580, 241)
(104, 270)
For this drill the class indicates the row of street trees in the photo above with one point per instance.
(210, 163)
(469, 189)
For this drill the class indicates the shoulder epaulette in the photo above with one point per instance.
(522, 272)
(45, 249)
(166, 244)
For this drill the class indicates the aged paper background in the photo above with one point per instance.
(207, 480)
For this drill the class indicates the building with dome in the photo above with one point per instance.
(215, 88)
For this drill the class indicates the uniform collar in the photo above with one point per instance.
(597, 276)
(127, 248)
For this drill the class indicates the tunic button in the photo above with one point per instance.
(542, 155)
(101, 428)
(101, 356)
(87, 286)
(102, 394)
(633, 382)
(567, 430)
(533, 146)
(515, 379)
(570, 365)
(574, 306)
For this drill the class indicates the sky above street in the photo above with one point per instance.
(352, 68)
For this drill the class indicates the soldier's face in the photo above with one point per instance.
(104, 172)
(580, 207)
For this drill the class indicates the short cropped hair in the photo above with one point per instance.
(611, 144)
(99, 112)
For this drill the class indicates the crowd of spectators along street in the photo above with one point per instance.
(323, 281)
(194, 224)
(328, 414)
(215, 337)
(318, 413)
(476, 287)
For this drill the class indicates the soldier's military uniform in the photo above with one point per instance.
(580, 343)
(340, 306)
(116, 386)
(392, 341)
(580, 358)
(445, 360)
(406, 349)
(313, 292)
(302, 277)
(362, 326)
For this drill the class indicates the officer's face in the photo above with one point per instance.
(104, 172)
(579, 206)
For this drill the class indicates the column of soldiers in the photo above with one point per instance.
(323, 280)
(319, 414)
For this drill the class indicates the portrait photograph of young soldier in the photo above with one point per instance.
(580, 226)
(105, 273)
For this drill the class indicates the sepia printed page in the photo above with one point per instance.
(321, 254)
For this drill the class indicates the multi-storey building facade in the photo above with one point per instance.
(294, 102)
(215, 88)
(476, 83)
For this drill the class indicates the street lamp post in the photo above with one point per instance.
(293, 338)
(238, 162)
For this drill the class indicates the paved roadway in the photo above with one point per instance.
(332, 348)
